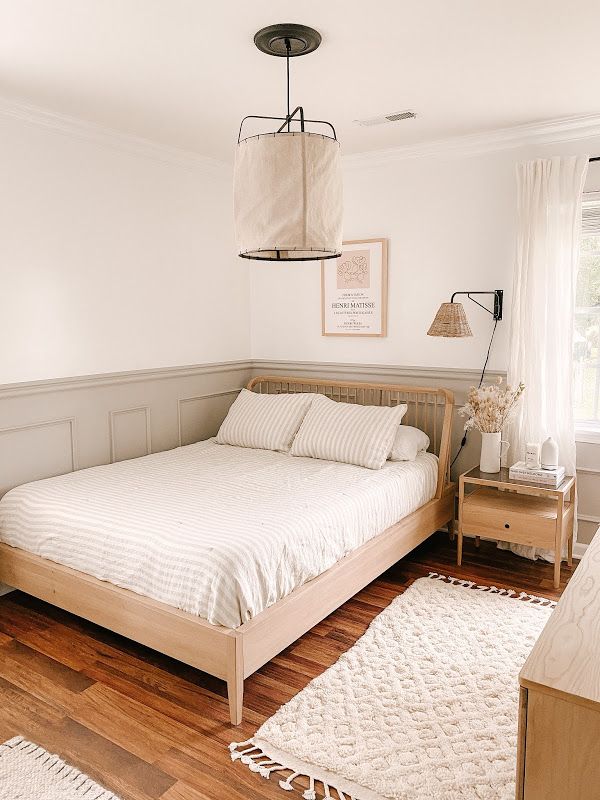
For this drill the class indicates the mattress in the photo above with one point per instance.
(220, 532)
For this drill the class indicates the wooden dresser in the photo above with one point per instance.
(559, 719)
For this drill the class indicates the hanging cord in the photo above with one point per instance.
(288, 47)
(487, 358)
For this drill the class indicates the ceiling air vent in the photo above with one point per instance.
(395, 117)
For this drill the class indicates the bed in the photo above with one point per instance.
(222, 556)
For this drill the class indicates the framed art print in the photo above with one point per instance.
(354, 290)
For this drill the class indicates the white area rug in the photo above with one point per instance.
(422, 707)
(28, 772)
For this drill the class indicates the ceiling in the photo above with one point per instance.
(184, 72)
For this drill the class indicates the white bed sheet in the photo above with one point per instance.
(221, 532)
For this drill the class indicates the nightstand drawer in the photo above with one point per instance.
(511, 517)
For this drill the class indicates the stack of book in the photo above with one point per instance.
(544, 477)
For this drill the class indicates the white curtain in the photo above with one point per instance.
(541, 340)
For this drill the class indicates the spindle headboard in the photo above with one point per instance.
(429, 409)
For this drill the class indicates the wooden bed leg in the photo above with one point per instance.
(451, 529)
(235, 681)
(235, 694)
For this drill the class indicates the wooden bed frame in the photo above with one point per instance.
(234, 654)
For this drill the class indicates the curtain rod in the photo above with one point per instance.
(595, 158)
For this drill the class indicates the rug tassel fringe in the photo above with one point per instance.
(266, 767)
(522, 596)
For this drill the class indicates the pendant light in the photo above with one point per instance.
(288, 182)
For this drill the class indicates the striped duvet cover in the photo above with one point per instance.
(218, 531)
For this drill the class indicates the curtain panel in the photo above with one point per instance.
(543, 305)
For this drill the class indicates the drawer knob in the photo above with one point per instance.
(506, 525)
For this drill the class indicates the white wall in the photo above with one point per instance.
(451, 226)
(112, 260)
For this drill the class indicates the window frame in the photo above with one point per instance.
(588, 431)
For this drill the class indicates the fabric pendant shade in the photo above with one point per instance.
(450, 321)
(288, 197)
(287, 184)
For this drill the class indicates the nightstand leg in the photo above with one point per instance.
(461, 497)
(570, 550)
(451, 529)
(572, 498)
(557, 561)
(558, 540)
(477, 541)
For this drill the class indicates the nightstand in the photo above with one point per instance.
(497, 507)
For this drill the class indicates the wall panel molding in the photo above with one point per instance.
(69, 421)
(387, 372)
(112, 378)
(184, 401)
(34, 450)
(113, 416)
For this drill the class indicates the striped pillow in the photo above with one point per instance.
(264, 421)
(361, 435)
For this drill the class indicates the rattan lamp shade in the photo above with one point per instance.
(288, 197)
(451, 321)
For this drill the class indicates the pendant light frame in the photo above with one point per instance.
(288, 41)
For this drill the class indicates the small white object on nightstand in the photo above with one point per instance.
(549, 454)
(532, 455)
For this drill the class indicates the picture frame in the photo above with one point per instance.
(354, 290)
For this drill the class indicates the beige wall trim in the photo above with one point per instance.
(110, 378)
(383, 370)
(589, 518)
(112, 415)
(259, 365)
(588, 471)
(195, 398)
(70, 421)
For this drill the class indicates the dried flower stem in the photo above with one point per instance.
(489, 407)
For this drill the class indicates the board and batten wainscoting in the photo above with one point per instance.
(51, 427)
(55, 426)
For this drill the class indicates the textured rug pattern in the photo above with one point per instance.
(423, 707)
(28, 772)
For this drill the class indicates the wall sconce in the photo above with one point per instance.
(451, 320)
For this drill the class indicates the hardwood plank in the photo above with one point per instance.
(55, 671)
(113, 766)
(181, 791)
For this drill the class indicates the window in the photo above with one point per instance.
(586, 344)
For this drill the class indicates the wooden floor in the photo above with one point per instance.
(148, 727)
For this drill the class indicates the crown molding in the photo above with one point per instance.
(568, 129)
(109, 137)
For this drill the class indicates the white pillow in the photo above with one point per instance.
(264, 421)
(408, 442)
(361, 435)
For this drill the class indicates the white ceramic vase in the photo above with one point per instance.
(493, 447)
